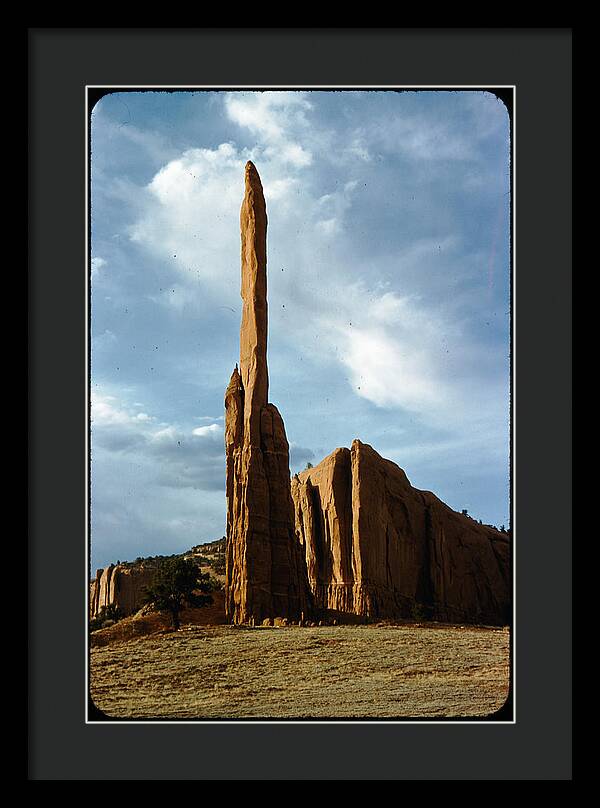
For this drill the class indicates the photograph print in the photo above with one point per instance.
(300, 378)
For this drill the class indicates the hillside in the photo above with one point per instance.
(122, 585)
(291, 672)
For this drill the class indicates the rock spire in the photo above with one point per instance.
(265, 568)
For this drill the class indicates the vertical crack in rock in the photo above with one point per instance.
(424, 589)
(265, 567)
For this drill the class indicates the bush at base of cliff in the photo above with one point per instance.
(107, 616)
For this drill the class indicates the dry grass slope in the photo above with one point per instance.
(223, 672)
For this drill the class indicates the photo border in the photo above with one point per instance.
(507, 713)
(69, 55)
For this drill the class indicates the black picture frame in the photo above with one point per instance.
(62, 62)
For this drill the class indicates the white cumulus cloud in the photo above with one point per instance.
(203, 431)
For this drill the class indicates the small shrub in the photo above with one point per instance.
(108, 615)
(218, 565)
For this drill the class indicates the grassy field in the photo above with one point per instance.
(363, 671)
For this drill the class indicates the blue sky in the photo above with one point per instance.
(388, 273)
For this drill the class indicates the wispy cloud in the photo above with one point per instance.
(97, 264)
(212, 429)
(274, 117)
(186, 457)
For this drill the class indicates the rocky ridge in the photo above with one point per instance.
(377, 547)
(119, 585)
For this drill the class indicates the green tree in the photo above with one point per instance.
(107, 614)
(178, 583)
(218, 565)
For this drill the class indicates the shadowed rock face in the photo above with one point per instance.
(119, 586)
(265, 573)
(375, 546)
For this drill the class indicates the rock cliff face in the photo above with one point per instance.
(375, 546)
(265, 571)
(121, 586)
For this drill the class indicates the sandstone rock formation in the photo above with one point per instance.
(265, 572)
(377, 547)
(350, 536)
(121, 586)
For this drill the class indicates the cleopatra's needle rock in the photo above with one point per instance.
(253, 331)
(265, 572)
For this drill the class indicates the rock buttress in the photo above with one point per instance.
(377, 547)
(265, 567)
(119, 586)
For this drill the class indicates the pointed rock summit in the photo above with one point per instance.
(253, 332)
(266, 574)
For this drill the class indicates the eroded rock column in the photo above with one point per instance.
(265, 569)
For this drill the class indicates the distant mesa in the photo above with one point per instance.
(120, 585)
(351, 536)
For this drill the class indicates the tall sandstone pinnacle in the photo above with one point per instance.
(265, 568)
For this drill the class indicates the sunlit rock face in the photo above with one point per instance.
(377, 547)
(265, 572)
(121, 586)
